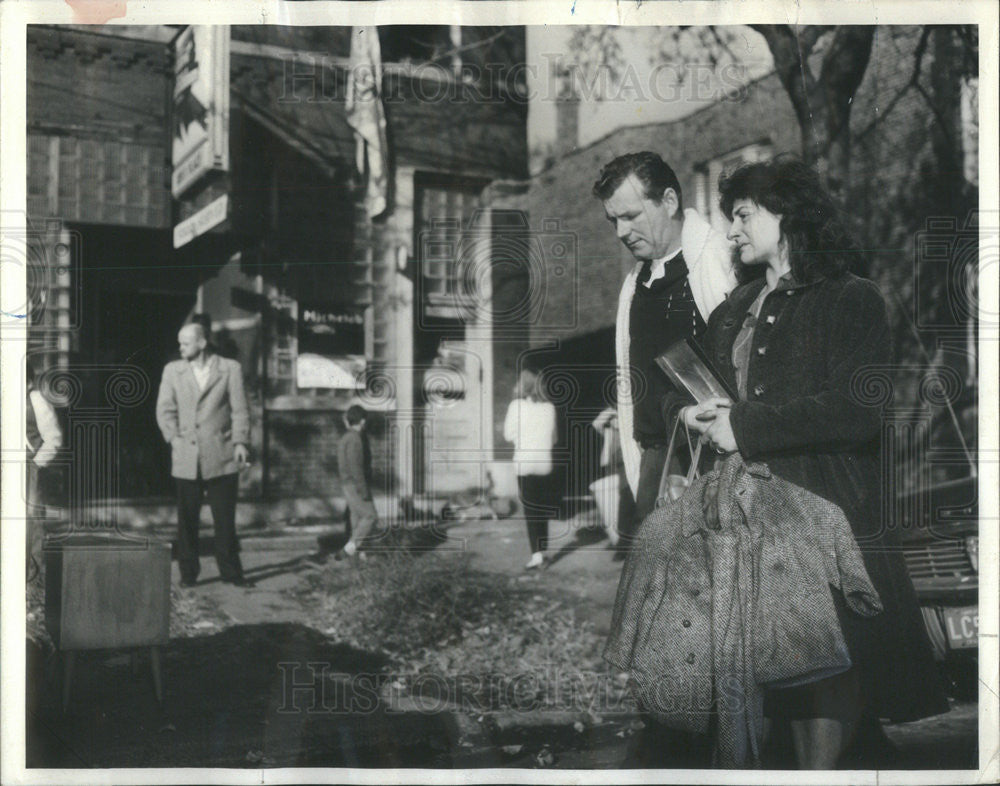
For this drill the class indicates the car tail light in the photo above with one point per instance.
(972, 549)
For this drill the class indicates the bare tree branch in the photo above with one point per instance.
(846, 60)
(722, 43)
(795, 75)
(918, 61)
(942, 120)
(475, 44)
(843, 68)
(809, 35)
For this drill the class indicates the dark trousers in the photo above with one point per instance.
(538, 503)
(659, 747)
(221, 493)
(650, 473)
(32, 520)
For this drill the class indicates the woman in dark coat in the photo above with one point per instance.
(808, 347)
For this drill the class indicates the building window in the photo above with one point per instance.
(707, 180)
(448, 245)
(420, 44)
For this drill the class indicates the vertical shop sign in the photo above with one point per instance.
(200, 108)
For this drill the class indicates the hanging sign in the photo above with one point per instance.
(213, 214)
(200, 109)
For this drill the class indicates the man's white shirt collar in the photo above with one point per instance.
(658, 268)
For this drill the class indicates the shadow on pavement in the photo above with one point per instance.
(584, 538)
(250, 696)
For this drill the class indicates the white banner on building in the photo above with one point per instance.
(200, 108)
(316, 371)
(366, 115)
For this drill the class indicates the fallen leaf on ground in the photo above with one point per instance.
(545, 758)
(257, 757)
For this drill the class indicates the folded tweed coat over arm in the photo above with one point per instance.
(707, 615)
(818, 381)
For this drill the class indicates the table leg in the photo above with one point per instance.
(154, 660)
(69, 657)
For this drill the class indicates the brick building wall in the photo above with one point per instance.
(97, 136)
(303, 453)
(97, 85)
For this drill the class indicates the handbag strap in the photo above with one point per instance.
(695, 456)
(693, 471)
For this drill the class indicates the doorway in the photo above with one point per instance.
(134, 299)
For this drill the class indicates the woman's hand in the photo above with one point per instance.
(719, 434)
(700, 417)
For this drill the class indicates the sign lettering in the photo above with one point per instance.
(209, 216)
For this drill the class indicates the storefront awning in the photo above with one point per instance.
(281, 128)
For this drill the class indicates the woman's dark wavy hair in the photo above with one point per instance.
(820, 244)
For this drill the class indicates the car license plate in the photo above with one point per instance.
(962, 626)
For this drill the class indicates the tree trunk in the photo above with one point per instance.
(944, 100)
(822, 106)
(844, 66)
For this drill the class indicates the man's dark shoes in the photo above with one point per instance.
(187, 583)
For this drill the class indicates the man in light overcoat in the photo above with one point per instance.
(202, 412)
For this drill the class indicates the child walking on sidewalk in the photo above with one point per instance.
(354, 463)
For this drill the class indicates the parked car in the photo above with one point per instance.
(940, 534)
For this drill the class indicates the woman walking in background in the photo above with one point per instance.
(531, 425)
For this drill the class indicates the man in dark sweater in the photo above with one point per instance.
(683, 270)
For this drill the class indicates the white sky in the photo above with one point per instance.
(650, 94)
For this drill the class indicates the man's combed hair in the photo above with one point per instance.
(820, 244)
(652, 171)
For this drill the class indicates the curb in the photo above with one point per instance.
(510, 725)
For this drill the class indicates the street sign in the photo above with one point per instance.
(213, 214)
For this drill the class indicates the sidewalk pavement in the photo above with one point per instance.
(580, 561)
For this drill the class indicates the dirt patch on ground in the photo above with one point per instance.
(490, 640)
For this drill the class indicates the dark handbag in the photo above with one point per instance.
(672, 486)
